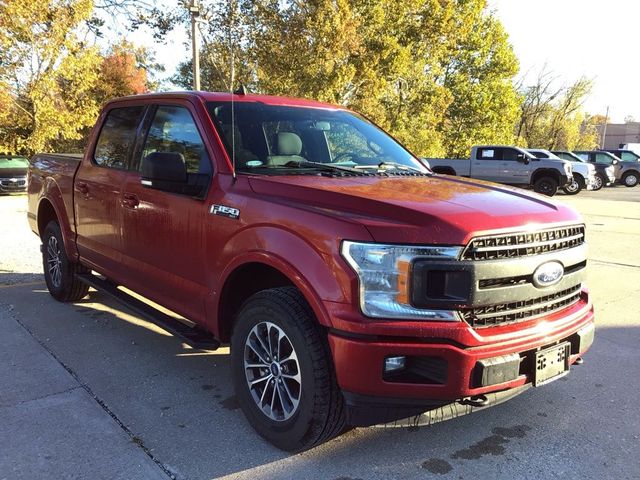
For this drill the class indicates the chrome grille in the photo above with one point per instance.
(514, 312)
(523, 244)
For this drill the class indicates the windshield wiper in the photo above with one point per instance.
(322, 166)
(384, 166)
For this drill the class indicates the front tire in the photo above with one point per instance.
(282, 371)
(59, 271)
(630, 179)
(576, 186)
(546, 186)
(600, 181)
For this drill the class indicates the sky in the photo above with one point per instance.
(572, 38)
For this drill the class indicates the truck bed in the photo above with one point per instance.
(52, 174)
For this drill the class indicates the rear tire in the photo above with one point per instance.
(302, 413)
(59, 271)
(576, 186)
(630, 179)
(546, 186)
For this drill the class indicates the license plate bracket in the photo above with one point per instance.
(551, 363)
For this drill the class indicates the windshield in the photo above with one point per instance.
(13, 162)
(540, 153)
(273, 138)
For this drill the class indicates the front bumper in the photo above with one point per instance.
(447, 359)
(13, 184)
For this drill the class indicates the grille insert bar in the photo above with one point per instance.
(520, 311)
(524, 243)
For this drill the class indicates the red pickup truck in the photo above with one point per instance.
(354, 286)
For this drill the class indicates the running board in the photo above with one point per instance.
(194, 336)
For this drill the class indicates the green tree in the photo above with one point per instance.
(552, 116)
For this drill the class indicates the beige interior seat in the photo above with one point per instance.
(288, 149)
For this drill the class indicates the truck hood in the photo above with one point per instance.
(417, 210)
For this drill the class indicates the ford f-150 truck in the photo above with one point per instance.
(509, 165)
(353, 286)
(584, 174)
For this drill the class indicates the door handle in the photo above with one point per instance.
(130, 200)
(82, 187)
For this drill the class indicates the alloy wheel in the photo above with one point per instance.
(272, 371)
(54, 262)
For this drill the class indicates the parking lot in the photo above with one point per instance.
(90, 390)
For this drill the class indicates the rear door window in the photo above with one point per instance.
(117, 137)
(489, 154)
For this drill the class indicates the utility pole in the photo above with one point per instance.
(194, 10)
(604, 129)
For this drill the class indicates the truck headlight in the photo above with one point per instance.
(383, 273)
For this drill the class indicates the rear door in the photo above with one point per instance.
(97, 190)
(488, 164)
(162, 232)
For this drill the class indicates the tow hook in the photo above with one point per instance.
(477, 401)
(579, 361)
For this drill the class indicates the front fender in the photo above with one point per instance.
(318, 272)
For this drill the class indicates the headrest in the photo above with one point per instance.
(289, 144)
(235, 132)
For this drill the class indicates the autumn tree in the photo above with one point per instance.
(47, 72)
(427, 70)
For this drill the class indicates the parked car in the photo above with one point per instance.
(354, 286)
(509, 165)
(605, 174)
(627, 173)
(625, 155)
(13, 173)
(584, 174)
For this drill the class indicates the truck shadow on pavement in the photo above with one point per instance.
(179, 406)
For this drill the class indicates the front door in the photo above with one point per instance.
(163, 233)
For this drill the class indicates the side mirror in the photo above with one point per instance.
(163, 167)
(522, 158)
(167, 171)
(615, 162)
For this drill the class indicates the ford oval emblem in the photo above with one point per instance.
(548, 274)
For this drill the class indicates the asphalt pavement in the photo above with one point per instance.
(90, 390)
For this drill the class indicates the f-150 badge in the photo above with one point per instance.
(225, 211)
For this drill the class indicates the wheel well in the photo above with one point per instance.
(240, 285)
(46, 213)
(444, 170)
(538, 174)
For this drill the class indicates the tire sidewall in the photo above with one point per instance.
(53, 229)
(602, 183)
(630, 175)
(574, 188)
(288, 433)
(553, 186)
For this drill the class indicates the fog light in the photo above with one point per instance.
(393, 364)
